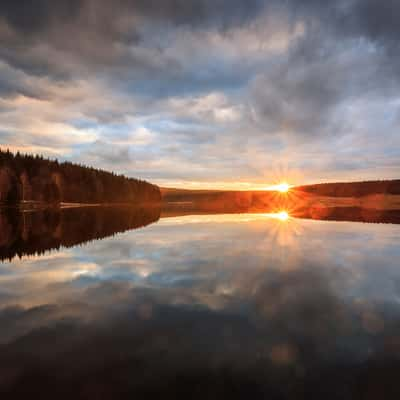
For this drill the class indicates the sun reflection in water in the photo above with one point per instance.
(223, 218)
(281, 215)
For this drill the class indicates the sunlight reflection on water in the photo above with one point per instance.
(263, 295)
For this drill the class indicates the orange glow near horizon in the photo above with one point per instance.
(282, 187)
(281, 215)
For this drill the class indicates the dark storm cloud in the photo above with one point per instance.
(298, 98)
(298, 72)
(76, 25)
(371, 18)
(82, 35)
(33, 17)
(349, 51)
(65, 39)
(71, 40)
(14, 82)
(374, 19)
(377, 20)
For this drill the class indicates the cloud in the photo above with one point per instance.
(290, 81)
(107, 35)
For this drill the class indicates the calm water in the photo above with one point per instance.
(198, 306)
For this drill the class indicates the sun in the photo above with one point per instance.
(283, 216)
(283, 187)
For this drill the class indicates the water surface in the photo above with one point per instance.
(197, 306)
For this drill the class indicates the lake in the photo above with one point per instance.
(117, 303)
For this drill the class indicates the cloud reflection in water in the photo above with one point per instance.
(238, 305)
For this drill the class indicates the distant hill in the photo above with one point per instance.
(383, 195)
(352, 189)
(339, 189)
(220, 200)
(26, 178)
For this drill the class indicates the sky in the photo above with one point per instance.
(234, 94)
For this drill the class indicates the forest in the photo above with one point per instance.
(27, 178)
(353, 189)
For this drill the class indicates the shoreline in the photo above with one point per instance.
(40, 206)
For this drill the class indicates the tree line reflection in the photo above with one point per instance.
(317, 212)
(34, 233)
